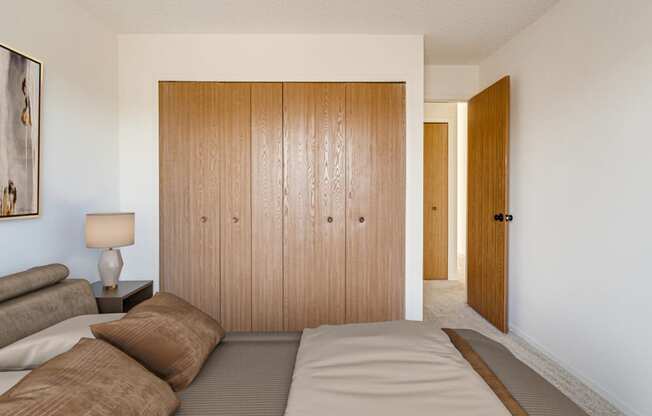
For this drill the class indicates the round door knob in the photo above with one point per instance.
(509, 218)
(203, 219)
(361, 219)
(329, 219)
(434, 208)
(499, 217)
(236, 220)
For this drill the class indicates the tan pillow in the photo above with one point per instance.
(167, 335)
(93, 378)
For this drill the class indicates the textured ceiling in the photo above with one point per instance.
(456, 31)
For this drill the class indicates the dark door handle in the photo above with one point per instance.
(329, 219)
(499, 217)
(235, 220)
(361, 219)
(509, 218)
(203, 219)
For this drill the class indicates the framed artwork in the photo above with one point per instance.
(20, 116)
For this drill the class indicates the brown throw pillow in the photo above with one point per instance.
(94, 379)
(167, 335)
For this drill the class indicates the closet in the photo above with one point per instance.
(282, 204)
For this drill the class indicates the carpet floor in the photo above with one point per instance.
(445, 304)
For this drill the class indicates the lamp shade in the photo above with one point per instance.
(110, 230)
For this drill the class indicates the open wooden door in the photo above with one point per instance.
(488, 152)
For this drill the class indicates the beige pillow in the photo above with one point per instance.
(34, 350)
(167, 335)
(93, 378)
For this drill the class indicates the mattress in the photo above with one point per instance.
(247, 374)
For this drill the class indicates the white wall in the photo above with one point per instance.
(581, 180)
(447, 113)
(462, 166)
(79, 151)
(450, 82)
(146, 59)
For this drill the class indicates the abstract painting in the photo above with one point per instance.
(20, 102)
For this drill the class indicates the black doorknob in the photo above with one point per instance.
(361, 219)
(329, 219)
(499, 217)
(509, 218)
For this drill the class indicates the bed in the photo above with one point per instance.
(412, 368)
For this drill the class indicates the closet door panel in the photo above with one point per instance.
(375, 136)
(234, 128)
(189, 193)
(314, 204)
(267, 206)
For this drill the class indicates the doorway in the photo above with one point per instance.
(444, 201)
(477, 173)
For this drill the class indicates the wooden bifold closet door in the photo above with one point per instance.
(375, 242)
(315, 215)
(267, 206)
(282, 204)
(189, 203)
(233, 119)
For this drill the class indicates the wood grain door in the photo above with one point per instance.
(488, 151)
(234, 135)
(314, 204)
(267, 206)
(189, 168)
(375, 243)
(435, 201)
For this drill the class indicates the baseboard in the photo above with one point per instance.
(575, 373)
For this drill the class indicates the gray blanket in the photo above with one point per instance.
(248, 374)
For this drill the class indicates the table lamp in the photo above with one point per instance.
(109, 231)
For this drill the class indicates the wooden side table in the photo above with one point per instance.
(128, 294)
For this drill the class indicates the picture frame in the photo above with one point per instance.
(21, 88)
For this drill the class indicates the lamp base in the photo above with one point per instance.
(110, 267)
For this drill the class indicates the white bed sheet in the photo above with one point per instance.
(8, 379)
(33, 350)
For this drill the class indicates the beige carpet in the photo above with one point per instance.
(445, 303)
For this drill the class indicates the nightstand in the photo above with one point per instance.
(128, 294)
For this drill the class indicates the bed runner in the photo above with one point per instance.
(523, 391)
(485, 372)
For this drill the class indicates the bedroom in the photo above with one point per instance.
(580, 89)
